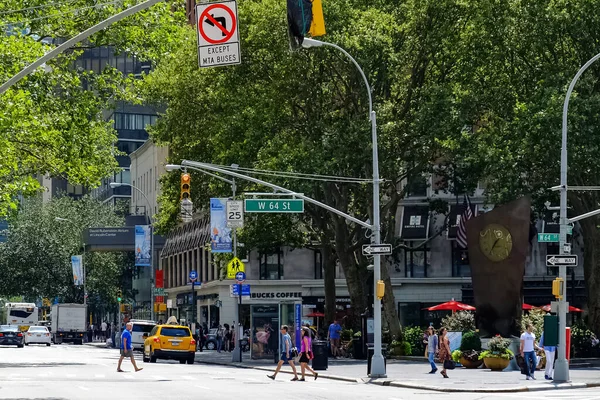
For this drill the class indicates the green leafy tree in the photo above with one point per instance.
(35, 260)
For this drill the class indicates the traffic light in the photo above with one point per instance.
(185, 186)
(380, 289)
(304, 17)
(119, 296)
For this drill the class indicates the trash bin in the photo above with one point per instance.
(319, 348)
(358, 348)
(370, 352)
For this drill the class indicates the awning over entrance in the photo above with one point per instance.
(415, 223)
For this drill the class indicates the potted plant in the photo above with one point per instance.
(498, 355)
(470, 348)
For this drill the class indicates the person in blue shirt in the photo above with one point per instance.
(127, 348)
(550, 351)
(285, 349)
(334, 335)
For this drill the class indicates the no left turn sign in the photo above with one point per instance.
(218, 37)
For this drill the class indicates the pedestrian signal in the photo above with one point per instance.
(304, 17)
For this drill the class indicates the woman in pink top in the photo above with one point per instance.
(306, 353)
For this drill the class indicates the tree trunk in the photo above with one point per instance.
(328, 260)
(591, 258)
(390, 311)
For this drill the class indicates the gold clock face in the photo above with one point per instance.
(495, 242)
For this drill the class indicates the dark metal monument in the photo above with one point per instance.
(498, 243)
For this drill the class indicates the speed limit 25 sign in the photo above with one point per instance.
(235, 213)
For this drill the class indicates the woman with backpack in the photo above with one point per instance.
(306, 353)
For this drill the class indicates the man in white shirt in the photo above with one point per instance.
(528, 351)
(103, 326)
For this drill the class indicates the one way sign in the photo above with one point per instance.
(381, 249)
(556, 260)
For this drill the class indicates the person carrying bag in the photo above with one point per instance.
(306, 354)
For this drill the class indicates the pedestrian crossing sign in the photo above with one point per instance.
(235, 266)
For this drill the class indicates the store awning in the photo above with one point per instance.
(415, 223)
(456, 210)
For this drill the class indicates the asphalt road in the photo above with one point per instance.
(83, 372)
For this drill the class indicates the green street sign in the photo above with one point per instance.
(548, 237)
(274, 205)
(159, 291)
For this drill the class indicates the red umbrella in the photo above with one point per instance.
(548, 307)
(316, 314)
(528, 307)
(452, 306)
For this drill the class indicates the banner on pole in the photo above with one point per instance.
(77, 265)
(220, 234)
(143, 243)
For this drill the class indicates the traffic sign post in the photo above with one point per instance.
(240, 277)
(193, 276)
(379, 249)
(548, 237)
(561, 260)
(274, 205)
(235, 213)
(234, 266)
(235, 290)
(218, 34)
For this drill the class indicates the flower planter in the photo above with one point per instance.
(496, 363)
(470, 364)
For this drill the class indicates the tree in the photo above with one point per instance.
(35, 260)
(52, 120)
(523, 55)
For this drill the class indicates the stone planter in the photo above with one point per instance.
(496, 363)
(470, 364)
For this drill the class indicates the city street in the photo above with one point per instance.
(84, 372)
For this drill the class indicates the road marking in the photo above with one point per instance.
(83, 388)
(128, 376)
(202, 387)
(100, 376)
(189, 378)
(70, 375)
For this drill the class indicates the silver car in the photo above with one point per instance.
(38, 335)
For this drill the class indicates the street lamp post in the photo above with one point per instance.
(561, 369)
(82, 262)
(377, 363)
(152, 282)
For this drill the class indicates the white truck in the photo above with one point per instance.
(68, 323)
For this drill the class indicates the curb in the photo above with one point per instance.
(245, 366)
(560, 386)
(384, 382)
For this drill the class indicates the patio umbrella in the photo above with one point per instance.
(316, 314)
(452, 306)
(528, 307)
(548, 307)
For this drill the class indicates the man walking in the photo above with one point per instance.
(104, 326)
(528, 351)
(550, 351)
(334, 335)
(127, 348)
(286, 347)
(432, 345)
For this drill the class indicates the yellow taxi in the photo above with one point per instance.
(169, 342)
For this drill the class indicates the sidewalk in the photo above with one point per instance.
(414, 375)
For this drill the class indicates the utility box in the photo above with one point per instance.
(550, 330)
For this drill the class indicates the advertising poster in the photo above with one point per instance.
(77, 265)
(298, 324)
(143, 243)
(220, 234)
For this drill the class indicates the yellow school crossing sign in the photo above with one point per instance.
(235, 266)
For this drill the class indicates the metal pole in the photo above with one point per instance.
(237, 353)
(84, 280)
(152, 283)
(561, 368)
(74, 40)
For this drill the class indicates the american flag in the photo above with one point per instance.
(461, 234)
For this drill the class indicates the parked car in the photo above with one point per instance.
(39, 335)
(137, 332)
(211, 339)
(11, 336)
(169, 342)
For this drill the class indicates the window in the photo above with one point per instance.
(416, 186)
(271, 267)
(416, 262)
(175, 332)
(133, 121)
(144, 328)
(318, 265)
(460, 261)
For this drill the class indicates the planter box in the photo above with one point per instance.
(470, 364)
(496, 364)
